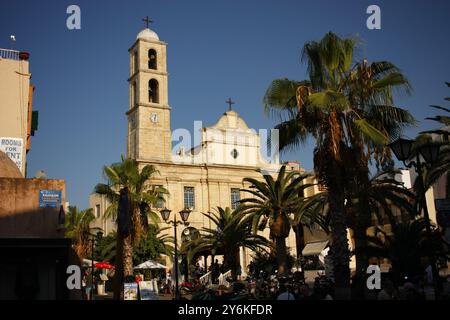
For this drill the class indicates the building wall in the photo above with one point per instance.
(212, 185)
(99, 204)
(435, 192)
(14, 101)
(20, 215)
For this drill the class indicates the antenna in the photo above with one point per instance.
(13, 41)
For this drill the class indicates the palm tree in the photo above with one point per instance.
(153, 244)
(275, 201)
(442, 166)
(78, 229)
(105, 250)
(382, 200)
(396, 246)
(142, 196)
(232, 231)
(347, 107)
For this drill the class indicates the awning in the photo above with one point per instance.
(88, 263)
(314, 248)
(103, 265)
(149, 264)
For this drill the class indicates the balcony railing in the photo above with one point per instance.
(223, 278)
(9, 54)
(206, 279)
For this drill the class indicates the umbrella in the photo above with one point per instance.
(149, 264)
(103, 265)
(88, 263)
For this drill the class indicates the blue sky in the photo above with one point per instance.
(216, 49)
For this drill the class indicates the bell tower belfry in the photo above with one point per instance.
(149, 135)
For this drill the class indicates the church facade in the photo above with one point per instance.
(202, 177)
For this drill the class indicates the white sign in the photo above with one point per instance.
(13, 148)
(147, 290)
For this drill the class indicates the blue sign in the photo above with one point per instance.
(49, 198)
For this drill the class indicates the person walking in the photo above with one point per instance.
(285, 294)
(89, 286)
(215, 272)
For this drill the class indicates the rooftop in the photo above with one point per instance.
(11, 54)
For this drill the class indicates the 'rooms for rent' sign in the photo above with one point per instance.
(13, 148)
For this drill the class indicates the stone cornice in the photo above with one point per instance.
(148, 41)
(152, 71)
(202, 165)
(148, 105)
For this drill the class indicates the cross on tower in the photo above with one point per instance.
(229, 102)
(147, 21)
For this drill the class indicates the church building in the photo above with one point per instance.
(201, 177)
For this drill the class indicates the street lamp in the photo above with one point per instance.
(165, 214)
(402, 149)
(92, 239)
(404, 152)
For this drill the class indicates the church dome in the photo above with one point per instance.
(147, 34)
(8, 168)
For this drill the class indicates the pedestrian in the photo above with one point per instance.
(389, 292)
(285, 294)
(239, 272)
(215, 272)
(89, 285)
(428, 279)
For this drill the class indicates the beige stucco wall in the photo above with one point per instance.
(99, 204)
(212, 185)
(14, 90)
(430, 196)
(20, 215)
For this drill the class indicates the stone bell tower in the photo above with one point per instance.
(149, 135)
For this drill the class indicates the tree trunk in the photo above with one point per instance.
(360, 239)
(281, 252)
(299, 239)
(118, 274)
(279, 230)
(339, 250)
(127, 257)
(363, 214)
(447, 185)
(231, 261)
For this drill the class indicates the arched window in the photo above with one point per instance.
(152, 59)
(153, 91)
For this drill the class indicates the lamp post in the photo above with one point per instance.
(403, 150)
(92, 238)
(165, 214)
